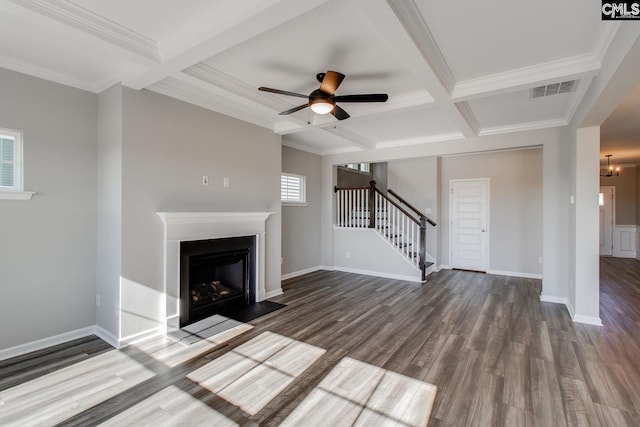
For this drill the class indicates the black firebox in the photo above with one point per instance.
(216, 276)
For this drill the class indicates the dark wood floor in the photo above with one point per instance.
(496, 353)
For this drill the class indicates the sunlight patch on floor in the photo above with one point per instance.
(173, 353)
(170, 406)
(251, 375)
(57, 396)
(356, 393)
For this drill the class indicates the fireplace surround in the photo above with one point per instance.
(198, 226)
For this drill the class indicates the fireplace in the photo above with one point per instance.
(216, 275)
(184, 227)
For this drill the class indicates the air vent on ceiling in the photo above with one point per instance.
(553, 89)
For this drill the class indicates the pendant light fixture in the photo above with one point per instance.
(611, 170)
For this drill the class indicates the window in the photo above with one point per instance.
(292, 189)
(362, 167)
(11, 166)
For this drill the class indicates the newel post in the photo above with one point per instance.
(423, 247)
(372, 201)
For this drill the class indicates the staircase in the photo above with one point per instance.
(403, 228)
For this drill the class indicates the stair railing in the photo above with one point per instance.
(368, 207)
(407, 204)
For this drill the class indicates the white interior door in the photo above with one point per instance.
(606, 202)
(469, 209)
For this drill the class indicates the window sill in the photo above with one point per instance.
(294, 204)
(16, 195)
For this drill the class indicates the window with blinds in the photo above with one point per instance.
(292, 188)
(7, 161)
(10, 161)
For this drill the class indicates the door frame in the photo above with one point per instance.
(613, 213)
(487, 182)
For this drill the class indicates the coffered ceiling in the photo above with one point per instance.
(452, 69)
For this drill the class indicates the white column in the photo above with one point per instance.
(587, 257)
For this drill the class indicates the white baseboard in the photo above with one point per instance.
(515, 274)
(274, 293)
(378, 274)
(301, 272)
(572, 311)
(140, 336)
(107, 337)
(444, 267)
(589, 320)
(553, 299)
(578, 318)
(25, 348)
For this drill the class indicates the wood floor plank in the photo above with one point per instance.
(497, 355)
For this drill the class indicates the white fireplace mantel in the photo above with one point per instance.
(189, 226)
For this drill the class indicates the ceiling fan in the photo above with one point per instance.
(323, 100)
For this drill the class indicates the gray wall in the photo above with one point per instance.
(626, 199)
(416, 181)
(168, 145)
(351, 178)
(48, 244)
(301, 224)
(515, 233)
(380, 175)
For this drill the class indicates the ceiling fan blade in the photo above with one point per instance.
(339, 113)
(294, 109)
(331, 81)
(282, 92)
(371, 97)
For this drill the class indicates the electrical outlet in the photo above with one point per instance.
(281, 260)
(205, 180)
(97, 300)
(540, 260)
(571, 284)
(348, 255)
(225, 182)
(117, 309)
(427, 211)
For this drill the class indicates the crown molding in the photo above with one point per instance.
(578, 67)
(520, 127)
(302, 147)
(41, 73)
(421, 140)
(414, 24)
(71, 14)
(508, 81)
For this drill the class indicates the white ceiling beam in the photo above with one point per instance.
(70, 14)
(405, 31)
(277, 13)
(185, 90)
(356, 139)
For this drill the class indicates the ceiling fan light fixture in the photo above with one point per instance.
(322, 106)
